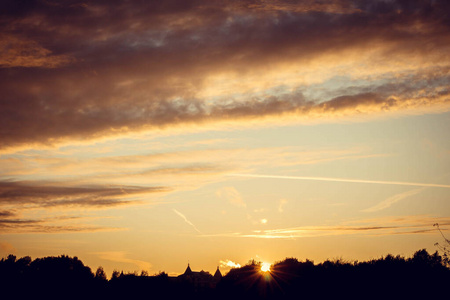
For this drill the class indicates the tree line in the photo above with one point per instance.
(388, 277)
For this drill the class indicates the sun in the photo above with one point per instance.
(265, 267)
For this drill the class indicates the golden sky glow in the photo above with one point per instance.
(143, 135)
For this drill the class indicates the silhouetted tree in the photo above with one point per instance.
(11, 258)
(100, 274)
(162, 275)
(445, 248)
(115, 274)
(422, 275)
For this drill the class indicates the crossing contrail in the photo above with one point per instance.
(343, 180)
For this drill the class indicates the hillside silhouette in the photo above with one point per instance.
(423, 275)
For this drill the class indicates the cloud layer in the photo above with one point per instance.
(21, 202)
(371, 227)
(77, 71)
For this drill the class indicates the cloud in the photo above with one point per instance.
(78, 182)
(74, 182)
(22, 204)
(6, 248)
(283, 202)
(46, 226)
(393, 199)
(22, 221)
(18, 52)
(44, 195)
(6, 214)
(375, 227)
(109, 69)
(180, 162)
(186, 220)
(304, 6)
(231, 195)
(122, 257)
(229, 264)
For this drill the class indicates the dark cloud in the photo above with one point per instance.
(359, 228)
(6, 214)
(9, 222)
(47, 195)
(72, 70)
(42, 226)
(20, 199)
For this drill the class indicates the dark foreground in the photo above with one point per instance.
(421, 276)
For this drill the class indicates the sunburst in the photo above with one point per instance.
(265, 267)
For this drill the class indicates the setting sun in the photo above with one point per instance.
(265, 267)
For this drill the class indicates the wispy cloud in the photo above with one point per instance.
(393, 199)
(179, 162)
(281, 205)
(229, 264)
(97, 183)
(373, 227)
(231, 195)
(186, 220)
(123, 257)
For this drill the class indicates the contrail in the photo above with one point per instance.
(186, 220)
(343, 180)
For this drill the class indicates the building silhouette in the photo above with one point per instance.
(200, 280)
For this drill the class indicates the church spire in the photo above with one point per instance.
(217, 275)
(188, 270)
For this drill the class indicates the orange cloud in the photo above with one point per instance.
(18, 52)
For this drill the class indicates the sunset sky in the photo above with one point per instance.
(143, 135)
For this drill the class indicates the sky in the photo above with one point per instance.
(146, 135)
